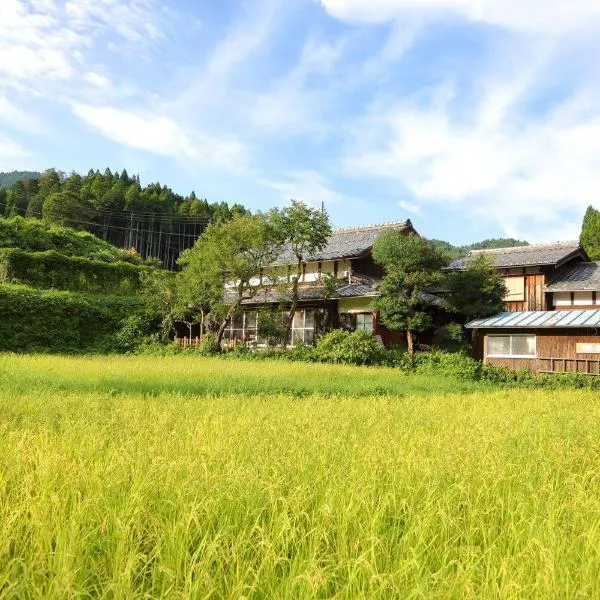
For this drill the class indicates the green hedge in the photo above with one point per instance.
(52, 321)
(54, 270)
(36, 236)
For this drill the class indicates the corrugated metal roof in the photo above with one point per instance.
(568, 319)
(523, 256)
(580, 277)
(347, 243)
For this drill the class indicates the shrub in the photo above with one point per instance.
(451, 338)
(455, 364)
(37, 236)
(48, 320)
(357, 348)
(52, 270)
(328, 345)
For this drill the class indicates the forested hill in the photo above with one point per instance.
(453, 252)
(8, 179)
(154, 220)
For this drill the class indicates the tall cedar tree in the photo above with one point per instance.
(476, 292)
(590, 233)
(304, 231)
(222, 268)
(412, 266)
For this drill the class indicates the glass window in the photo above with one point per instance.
(310, 319)
(498, 345)
(298, 319)
(515, 289)
(250, 320)
(523, 345)
(364, 322)
(520, 345)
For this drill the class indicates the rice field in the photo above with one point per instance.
(182, 477)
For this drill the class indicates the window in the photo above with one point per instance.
(356, 321)
(515, 289)
(364, 322)
(511, 346)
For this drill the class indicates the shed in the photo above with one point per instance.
(540, 341)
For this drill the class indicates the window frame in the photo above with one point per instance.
(511, 336)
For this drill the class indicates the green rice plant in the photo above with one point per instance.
(119, 478)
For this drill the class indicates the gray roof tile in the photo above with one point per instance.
(347, 243)
(542, 319)
(580, 277)
(524, 256)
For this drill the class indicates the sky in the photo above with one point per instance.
(473, 118)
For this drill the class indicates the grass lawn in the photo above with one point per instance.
(204, 478)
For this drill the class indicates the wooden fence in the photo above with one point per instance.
(582, 366)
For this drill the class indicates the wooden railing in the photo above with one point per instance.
(582, 366)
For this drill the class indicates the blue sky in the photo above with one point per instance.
(474, 118)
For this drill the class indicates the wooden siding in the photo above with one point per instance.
(555, 343)
(535, 297)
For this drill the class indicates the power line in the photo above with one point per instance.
(100, 225)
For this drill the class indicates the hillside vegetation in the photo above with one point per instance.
(64, 290)
(115, 487)
(153, 219)
(9, 179)
(452, 252)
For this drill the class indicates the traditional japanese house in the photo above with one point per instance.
(528, 270)
(576, 286)
(337, 288)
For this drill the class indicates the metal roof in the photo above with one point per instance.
(347, 243)
(580, 277)
(524, 256)
(541, 319)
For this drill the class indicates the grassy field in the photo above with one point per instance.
(195, 478)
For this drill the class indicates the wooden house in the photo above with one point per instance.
(554, 341)
(337, 288)
(527, 271)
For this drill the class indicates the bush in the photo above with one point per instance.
(357, 348)
(52, 321)
(52, 270)
(455, 364)
(451, 338)
(135, 332)
(37, 236)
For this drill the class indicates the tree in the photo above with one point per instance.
(304, 231)
(223, 267)
(412, 266)
(590, 233)
(159, 294)
(476, 292)
(17, 199)
(64, 208)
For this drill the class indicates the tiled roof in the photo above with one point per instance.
(542, 319)
(580, 277)
(524, 256)
(362, 286)
(347, 243)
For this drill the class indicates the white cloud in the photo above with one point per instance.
(161, 135)
(523, 15)
(412, 207)
(532, 176)
(11, 154)
(47, 40)
(308, 186)
(294, 104)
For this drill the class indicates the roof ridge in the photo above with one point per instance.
(387, 225)
(528, 247)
